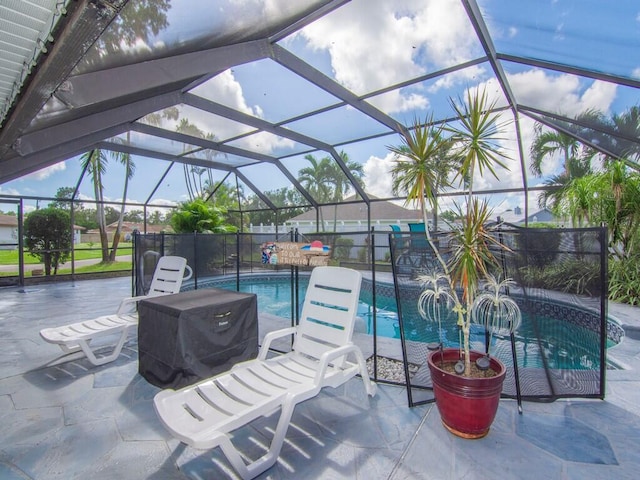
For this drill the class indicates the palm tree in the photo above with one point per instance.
(628, 124)
(95, 163)
(611, 197)
(341, 183)
(576, 160)
(192, 174)
(129, 167)
(558, 185)
(620, 129)
(549, 143)
(416, 173)
(437, 165)
(315, 179)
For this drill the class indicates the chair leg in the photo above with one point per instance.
(369, 386)
(69, 348)
(269, 459)
(115, 353)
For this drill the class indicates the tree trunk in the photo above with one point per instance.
(116, 235)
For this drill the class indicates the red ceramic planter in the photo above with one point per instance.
(467, 406)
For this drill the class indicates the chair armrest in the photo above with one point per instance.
(128, 304)
(328, 356)
(269, 337)
(189, 273)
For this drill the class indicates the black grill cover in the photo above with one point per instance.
(194, 335)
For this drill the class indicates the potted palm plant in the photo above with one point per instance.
(467, 384)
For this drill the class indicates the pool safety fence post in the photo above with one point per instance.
(512, 337)
(295, 286)
(238, 261)
(393, 238)
(292, 237)
(372, 244)
(195, 256)
(134, 264)
(603, 236)
(21, 241)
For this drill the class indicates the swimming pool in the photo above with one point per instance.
(562, 345)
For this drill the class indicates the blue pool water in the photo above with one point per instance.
(563, 345)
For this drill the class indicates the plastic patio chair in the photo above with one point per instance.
(203, 415)
(76, 338)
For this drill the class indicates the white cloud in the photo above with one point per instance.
(377, 176)
(9, 191)
(384, 42)
(226, 90)
(161, 202)
(561, 93)
(636, 73)
(46, 172)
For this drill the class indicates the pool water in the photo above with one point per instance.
(563, 345)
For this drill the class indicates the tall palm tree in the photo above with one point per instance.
(416, 172)
(548, 143)
(622, 127)
(315, 179)
(426, 155)
(576, 162)
(192, 174)
(628, 123)
(95, 163)
(341, 183)
(129, 167)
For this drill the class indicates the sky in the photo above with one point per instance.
(367, 45)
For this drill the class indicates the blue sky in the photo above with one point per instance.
(368, 45)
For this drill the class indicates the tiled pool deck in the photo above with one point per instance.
(76, 421)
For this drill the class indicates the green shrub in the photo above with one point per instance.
(343, 248)
(201, 217)
(624, 280)
(47, 236)
(569, 276)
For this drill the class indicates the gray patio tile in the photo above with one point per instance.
(69, 453)
(29, 426)
(136, 461)
(42, 390)
(77, 421)
(566, 438)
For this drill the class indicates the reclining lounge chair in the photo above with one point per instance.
(76, 338)
(202, 415)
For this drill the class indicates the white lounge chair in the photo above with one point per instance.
(76, 338)
(202, 415)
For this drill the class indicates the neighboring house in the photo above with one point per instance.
(8, 232)
(350, 217)
(126, 231)
(545, 215)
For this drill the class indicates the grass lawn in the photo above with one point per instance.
(83, 251)
(98, 267)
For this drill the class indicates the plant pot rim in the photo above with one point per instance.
(495, 364)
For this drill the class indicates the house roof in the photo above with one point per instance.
(517, 216)
(128, 227)
(358, 211)
(8, 221)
